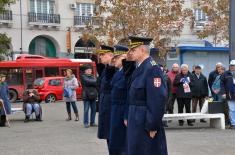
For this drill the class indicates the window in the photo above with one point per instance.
(84, 9)
(55, 82)
(51, 71)
(42, 6)
(199, 15)
(14, 75)
(172, 56)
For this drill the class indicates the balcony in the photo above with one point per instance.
(44, 20)
(83, 21)
(199, 25)
(6, 18)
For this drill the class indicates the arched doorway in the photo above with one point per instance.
(84, 49)
(41, 45)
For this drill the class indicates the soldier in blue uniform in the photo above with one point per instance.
(147, 98)
(117, 139)
(105, 55)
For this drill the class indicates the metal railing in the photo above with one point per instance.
(44, 18)
(6, 15)
(87, 20)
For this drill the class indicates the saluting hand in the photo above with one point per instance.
(125, 122)
(152, 134)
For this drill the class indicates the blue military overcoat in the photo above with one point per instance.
(147, 98)
(105, 103)
(4, 95)
(117, 140)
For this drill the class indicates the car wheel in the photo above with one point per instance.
(50, 98)
(13, 95)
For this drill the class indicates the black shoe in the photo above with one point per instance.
(93, 125)
(38, 118)
(232, 127)
(203, 121)
(181, 123)
(3, 121)
(190, 124)
(26, 119)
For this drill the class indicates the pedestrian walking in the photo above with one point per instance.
(147, 97)
(89, 96)
(213, 75)
(70, 95)
(172, 96)
(184, 83)
(5, 107)
(105, 55)
(117, 139)
(228, 91)
(200, 90)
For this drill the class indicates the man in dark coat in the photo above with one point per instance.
(184, 83)
(200, 90)
(228, 91)
(147, 98)
(117, 139)
(105, 55)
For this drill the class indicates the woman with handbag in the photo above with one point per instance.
(70, 95)
(89, 96)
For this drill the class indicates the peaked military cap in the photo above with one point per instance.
(120, 49)
(105, 49)
(136, 41)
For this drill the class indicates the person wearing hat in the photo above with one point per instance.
(199, 91)
(117, 139)
(228, 91)
(5, 105)
(89, 95)
(105, 56)
(147, 98)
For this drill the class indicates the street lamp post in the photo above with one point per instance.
(21, 35)
(232, 29)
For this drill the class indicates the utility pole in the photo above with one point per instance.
(21, 29)
(232, 29)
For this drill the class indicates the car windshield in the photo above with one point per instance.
(39, 82)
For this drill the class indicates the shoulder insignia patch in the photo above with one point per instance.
(153, 63)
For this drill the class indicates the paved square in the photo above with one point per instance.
(55, 136)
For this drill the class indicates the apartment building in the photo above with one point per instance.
(48, 27)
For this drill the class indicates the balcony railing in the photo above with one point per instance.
(44, 18)
(6, 15)
(87, 20)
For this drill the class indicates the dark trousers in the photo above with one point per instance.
(89, 105)
(68, 107)
(170, 104)
(184, 102)
(113, 152)
(226, 113)
(196, 101)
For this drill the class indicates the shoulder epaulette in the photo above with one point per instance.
(153, 63)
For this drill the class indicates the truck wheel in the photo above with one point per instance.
(13, 95)
(50, 98)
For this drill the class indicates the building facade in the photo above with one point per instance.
(50, 28)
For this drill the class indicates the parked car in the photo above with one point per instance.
(50, 89)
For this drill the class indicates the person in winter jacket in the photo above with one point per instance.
(89, 96)
(5, 105)
(213, 75)
(172, 96)
(70, 95)
(31, 101)
(200, 89)
(184, 83)
(228, 91)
